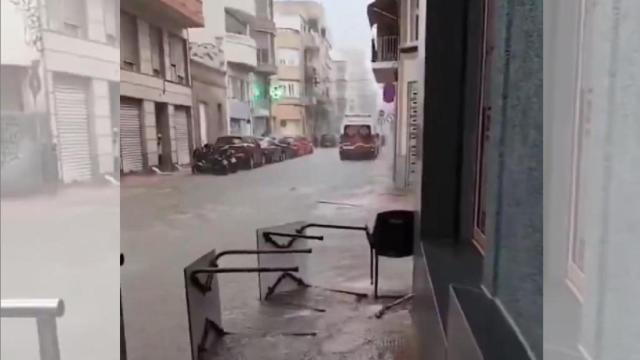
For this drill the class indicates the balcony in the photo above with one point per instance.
(311, 40)
(266, 63)
(183, 13)
(241, 49)
(384, 58)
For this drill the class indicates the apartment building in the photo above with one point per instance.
(304, 69)
(230, 21)
(155, 83)
(340, 83)
(263, 31)
(63, 61)
(209, 76)
(394, 56)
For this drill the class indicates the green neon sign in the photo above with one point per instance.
(276, 92)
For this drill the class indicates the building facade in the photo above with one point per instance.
(155, 84)
(63, 58)
(231, 21)
(339, 80)
(263, 31)
(476, 153)
(304, 69)
(209, 74)
(394, 62)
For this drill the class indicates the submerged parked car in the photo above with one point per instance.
(247, 150)
(301, 145)
(272, 151)
(288, 146)
(209, 159)
(328, 141)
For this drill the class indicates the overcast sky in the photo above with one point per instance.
(348, 23)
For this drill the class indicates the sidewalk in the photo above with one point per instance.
(64, 246)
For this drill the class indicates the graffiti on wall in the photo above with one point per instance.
(33, 25)
(10, 139)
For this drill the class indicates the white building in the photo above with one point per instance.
(231, 20)
(68, 70)
(155, 84)
(394, 61)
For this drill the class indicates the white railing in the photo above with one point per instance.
(45, 312)
(386, 48)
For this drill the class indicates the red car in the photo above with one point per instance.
(305, 145)
(300, 144)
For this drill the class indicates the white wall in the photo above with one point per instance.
(81, 57)
(15, 50)
(292, 22)
(247, 6)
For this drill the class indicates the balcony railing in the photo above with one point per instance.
(384, 48)
(45, 312)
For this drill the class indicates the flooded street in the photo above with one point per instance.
(167, 222)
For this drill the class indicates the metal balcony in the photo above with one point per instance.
(385, 48)
(384, 58)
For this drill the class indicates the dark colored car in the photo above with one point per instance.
(288, 146)
(328, 141)
(272, 151)
(211, 160)
(247, 150)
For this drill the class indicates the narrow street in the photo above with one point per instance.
(169, 221)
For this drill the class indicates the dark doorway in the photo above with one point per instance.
(163, 131)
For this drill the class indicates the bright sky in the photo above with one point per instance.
(348, 23)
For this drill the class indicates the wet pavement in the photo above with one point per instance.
(169, 221)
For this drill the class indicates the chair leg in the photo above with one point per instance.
(371, 265)
(376, 278)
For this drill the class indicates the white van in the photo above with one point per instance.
(359, 138)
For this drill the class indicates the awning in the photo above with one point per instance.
(383, 12)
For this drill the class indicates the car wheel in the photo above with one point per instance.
(251, 164)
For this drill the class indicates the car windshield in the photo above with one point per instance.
(228, 140)
(355, 130)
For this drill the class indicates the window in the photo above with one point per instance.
(239, 88)
(581, 131)
(157, 51)
(69, 17)
(234, 25)
(111, 19)
(177, 57)
(288, 57)
(128, 42)
(290, 88)
(414, 20)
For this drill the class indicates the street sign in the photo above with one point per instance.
(389, 93)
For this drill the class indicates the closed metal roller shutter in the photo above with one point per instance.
(182, 135)
(72, 123)
(130, 136)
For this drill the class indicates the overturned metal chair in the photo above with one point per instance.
(45, 312)
(203, 294)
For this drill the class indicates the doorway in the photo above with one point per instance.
(163, 132)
